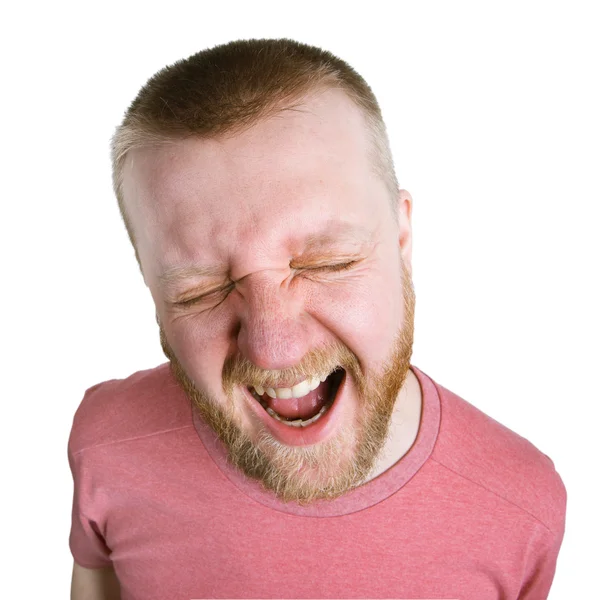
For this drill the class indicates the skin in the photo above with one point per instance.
(249, 208)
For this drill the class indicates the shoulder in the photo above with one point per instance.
(476, 447)
(144, 403)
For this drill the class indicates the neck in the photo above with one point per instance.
(404, 427)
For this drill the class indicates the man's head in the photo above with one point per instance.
(257, 188)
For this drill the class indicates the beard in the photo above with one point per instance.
(331, 468)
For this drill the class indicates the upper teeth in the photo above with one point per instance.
(299, 390)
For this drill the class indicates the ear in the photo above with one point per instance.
(404, 209)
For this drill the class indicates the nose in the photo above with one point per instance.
(273, 327)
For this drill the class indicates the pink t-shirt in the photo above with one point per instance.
(472, 511)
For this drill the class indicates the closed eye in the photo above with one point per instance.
(205, 298)
(332, 267)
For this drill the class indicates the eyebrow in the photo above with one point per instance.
(313, 244)
(176, 274)
(344, 234)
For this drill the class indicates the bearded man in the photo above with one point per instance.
(288, 449)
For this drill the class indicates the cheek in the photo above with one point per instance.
(201, 345)
(365, 315)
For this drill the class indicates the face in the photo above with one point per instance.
(273, 257)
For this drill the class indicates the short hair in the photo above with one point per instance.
(230, 87)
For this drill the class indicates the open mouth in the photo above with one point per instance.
(304, 410)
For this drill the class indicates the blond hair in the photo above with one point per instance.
(228, 88)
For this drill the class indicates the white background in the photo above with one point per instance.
(493, 113)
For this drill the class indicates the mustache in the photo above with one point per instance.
(319, 362)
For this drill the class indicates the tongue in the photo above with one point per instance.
(300, 408)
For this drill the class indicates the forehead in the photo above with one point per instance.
(306, 171)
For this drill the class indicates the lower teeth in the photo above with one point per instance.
(298, 422)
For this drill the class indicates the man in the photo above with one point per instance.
(288, 449)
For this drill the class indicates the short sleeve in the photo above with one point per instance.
(86, 542)
(543, 552)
